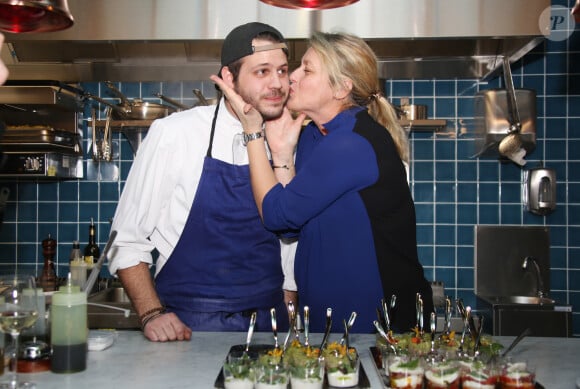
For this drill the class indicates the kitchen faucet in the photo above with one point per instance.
(536, 269)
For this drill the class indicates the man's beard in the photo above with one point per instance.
(267, 111)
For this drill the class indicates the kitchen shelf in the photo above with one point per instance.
(123, 124)
(423, 125)
(142, 125)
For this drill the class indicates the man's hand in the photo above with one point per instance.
(138, 284)
(166, 327)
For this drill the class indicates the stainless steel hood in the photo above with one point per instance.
(179, 40)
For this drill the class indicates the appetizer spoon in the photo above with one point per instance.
(306, 325)
(292, 317)
(391, 308)
(381, 319)
(386, 315)
(274, 327)
(433, 327)
(432, 354)
(347, 327)
(384, 335)
(517, 340)
(447, 329)
(327, 329)
(250, 332)
(478, 338)
(421, 317)
(465, 329)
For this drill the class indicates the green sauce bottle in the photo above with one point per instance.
(69, 331)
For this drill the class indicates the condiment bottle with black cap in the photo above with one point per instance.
(69, 331)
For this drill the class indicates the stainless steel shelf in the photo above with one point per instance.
(138, 125)
(423, 125)
(143, 125)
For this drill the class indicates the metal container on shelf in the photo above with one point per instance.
(492, 122)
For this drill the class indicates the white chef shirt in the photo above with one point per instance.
(157, 197)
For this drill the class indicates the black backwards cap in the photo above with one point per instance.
(238, 42)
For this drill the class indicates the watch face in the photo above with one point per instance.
(252, 136)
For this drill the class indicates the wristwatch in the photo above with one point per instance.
(252, 136)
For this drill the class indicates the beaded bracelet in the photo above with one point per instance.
(152, 310)
(149, 318)
(150, 314)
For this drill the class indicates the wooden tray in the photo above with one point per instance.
(363, 379)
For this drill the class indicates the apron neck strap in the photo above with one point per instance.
(215, 115)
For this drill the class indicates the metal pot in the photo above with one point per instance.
(201, 100)
(136, 109)
(408, 111)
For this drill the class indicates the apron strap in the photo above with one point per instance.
(215, 115)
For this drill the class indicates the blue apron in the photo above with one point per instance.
(226, 264)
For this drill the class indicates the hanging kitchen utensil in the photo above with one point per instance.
(180, 107)
(202, 100)
(106, 142)
(511, 146)
(135, 109)
(96, 148)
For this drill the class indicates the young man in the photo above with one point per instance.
(188, 196)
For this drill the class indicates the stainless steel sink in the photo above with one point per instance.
(530, 300)
(111, 308)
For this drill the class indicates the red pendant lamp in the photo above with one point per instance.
(309, 4)
(20, 16)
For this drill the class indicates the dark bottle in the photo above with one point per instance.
(48, 280)
(92, 252)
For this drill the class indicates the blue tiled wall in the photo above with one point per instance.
(453, 191)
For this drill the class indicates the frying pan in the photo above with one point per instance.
(135, 109)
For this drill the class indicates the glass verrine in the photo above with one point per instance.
(405, 371)
(18, 311)
(517, 375)
(307, 372)
(443, 374)
(342, 366)
(479, 375)
(239, 371)
(271, 376)
(271, 373)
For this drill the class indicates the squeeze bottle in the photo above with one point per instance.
(69, 330)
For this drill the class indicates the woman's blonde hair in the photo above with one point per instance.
(349, 57)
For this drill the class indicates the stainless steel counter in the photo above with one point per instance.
(137, 363)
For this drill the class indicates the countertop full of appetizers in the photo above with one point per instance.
(132, 361)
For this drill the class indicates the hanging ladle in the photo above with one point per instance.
(511, 145)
